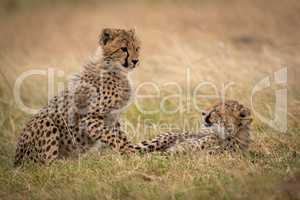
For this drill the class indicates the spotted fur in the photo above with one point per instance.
(227, 129)
(88, 111)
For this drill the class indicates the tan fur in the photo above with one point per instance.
(88, 111)
(227, 129)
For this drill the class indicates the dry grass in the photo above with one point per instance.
(220, 41)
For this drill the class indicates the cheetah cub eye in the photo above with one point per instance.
(124, 49)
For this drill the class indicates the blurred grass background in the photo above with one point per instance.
(218, 41)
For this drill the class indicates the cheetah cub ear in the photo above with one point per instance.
(106, 36)
(245, 116)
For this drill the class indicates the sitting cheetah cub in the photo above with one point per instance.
(227, 129)
(88, 111)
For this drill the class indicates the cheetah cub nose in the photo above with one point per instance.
(135, 61)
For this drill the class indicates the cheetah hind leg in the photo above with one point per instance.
(48, 144)
(24, 149)
(19, 156)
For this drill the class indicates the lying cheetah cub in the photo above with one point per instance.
(88, 111)
(227, 128)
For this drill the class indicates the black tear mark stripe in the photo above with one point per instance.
(126, 59)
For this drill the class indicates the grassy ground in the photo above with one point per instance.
(215, 41)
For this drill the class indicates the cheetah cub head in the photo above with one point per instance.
(228, 119)
(120, 48)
